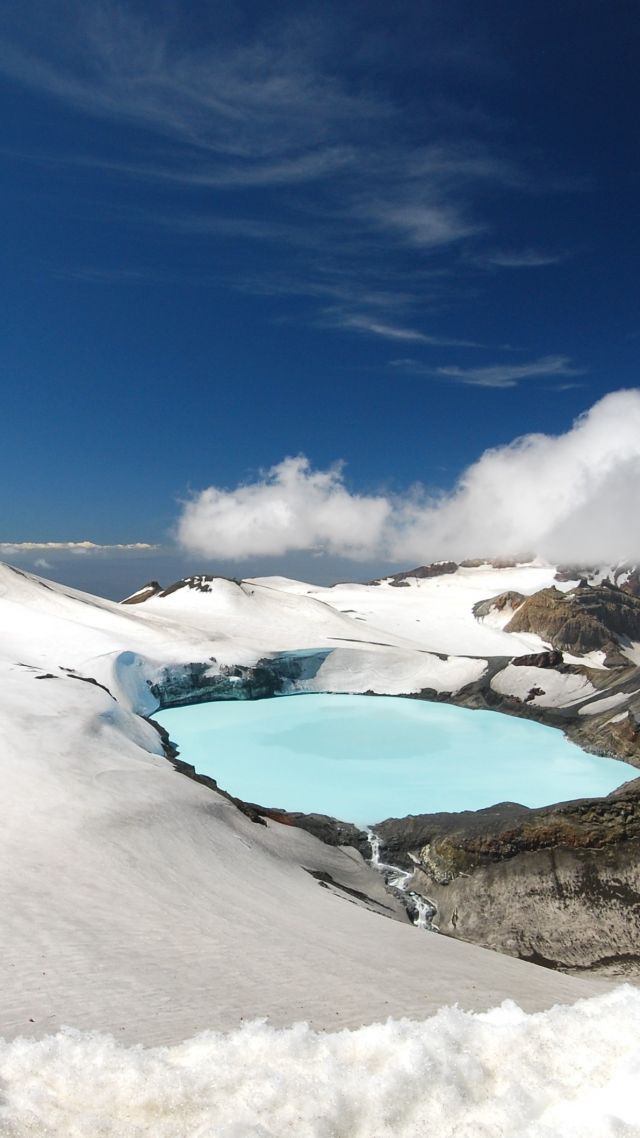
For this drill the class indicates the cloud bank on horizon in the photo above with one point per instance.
(80, 548)
(569, 498)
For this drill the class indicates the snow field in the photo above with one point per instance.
(569, 1071)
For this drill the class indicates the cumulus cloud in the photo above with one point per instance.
(291, 508)
(571, 497)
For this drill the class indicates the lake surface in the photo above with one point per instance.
(366, 758)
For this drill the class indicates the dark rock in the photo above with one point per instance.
(437, 569)
(510, 599)
(627, 578)
(552, 659)
(186, 684)
(496, 562)
(326, 881)
(575, 573)
(200, 582)
(588, 619)
(560, 885)
(322, 826)
(151, 589)
(608, 735)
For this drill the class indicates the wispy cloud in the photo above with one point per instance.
(371, 326)
(196, 168)
(324, 166)
(261, 100)
(493, 375)
(521, 259)
(570, 497)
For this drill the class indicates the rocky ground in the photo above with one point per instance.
(558, 886)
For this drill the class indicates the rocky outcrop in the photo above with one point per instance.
(208, 681)
(587, 619)
(504, 601)
(553, 659)
(627, 578)
(201, 582)
(614, 735)
(327, 829)
(496, 562)
(151, 589)
(559, 886)
(437, 569)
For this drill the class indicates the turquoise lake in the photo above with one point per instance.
(366, 758)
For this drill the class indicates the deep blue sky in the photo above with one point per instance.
(390, 233)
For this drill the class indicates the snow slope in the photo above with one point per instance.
(435, 613)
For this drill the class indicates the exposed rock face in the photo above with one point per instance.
(186, 684)
(559, 886)
(553, 659)
(564, 908)
(151, 589)
(496, 562)
(327, 829)
(437, 569)
(508, 600)
(627, 578)
(614, 735)
(201, 582)
(588, 619)
(574, 573)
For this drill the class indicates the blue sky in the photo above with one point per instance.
(389, 235)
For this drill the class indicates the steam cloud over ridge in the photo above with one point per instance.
(570, 497)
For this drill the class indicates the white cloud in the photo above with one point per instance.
(427, 226)
(11, 548)
(493, 375)
(376, 327)
(571, 497)
(333, 168)
(265, 103)
(523, 259)
(291, 508)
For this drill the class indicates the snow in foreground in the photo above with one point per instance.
(570, 1071)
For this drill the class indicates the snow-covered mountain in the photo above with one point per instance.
(141, 902)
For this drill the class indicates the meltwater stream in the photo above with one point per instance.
(395, 878)
(366, 758)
